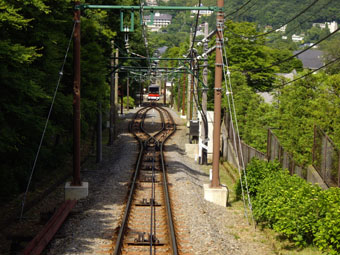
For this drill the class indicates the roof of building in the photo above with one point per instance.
(161, 16)
(311, 59)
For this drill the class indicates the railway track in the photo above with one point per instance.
(147, 226)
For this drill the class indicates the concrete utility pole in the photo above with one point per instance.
(183, 94)
(127, 94)
(215, 182)
(112, 98)
(76, 99)
(204, 134)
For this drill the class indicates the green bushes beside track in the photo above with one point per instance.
(297, 210)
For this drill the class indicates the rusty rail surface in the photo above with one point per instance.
(38, 244)
(147, 226)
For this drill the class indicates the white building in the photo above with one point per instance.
(281, 29)
(202, 12)
(159, 20)
(332, 26)
(297, 38)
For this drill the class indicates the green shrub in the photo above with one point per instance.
(327, 236)
(289, 205)
(131, 102)
(257, 170)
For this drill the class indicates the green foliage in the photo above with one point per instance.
(131, 102)
(297, 210)
(257, 170)
(327, 237)
(289, 205)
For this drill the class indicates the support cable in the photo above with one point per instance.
(307, 74)
(274, 30)
(61, 72)
(277, 63)
(308, 18)
(231, 102)
(241, 7)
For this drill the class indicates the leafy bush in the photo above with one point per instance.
(297, 210)
(131, 102)
(327, 236)
(289, 205)
(257, 170)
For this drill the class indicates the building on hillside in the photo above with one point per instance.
(281, 29)
(311, 59)
(332, 26)
(297, 38)
(202, 12)
(160, 20)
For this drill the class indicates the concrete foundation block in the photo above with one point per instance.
(76, 192)
(216, 195)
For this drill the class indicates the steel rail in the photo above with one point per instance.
(166, 191)
(143, 144)
(133, 186)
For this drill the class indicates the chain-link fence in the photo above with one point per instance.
(275, 151)
(326, 158)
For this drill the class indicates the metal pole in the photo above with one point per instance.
(183, 94)
(194, 92)
(99, 134)
(172, 95)
(178, 93)
(189, 95)
(76, 100)
(140, 90)
(116, 95)
(121, 99)
(112, 97)
(215, 182)
(204, 95)
(127, 94)
(164, 96)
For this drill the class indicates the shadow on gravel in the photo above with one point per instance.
(177, 166)
(174, 147)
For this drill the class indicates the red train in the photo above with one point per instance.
(153, 93)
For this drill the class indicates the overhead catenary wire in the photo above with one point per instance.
(277, 63)
(61, 72)
(238, 9)
(311, 72)
(274, 30)
(308, 18)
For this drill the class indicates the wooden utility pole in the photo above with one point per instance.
(179, 94)
(99, 154)
(189, 91)
(116, 95)
(183, 94)
(215, 182)
(127, 94)
(112, 98)
(164, 96)
(76, 99)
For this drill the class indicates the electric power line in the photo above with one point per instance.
(274, 30)
(310, 73)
